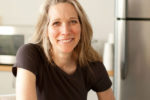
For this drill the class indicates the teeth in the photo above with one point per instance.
(66, 41)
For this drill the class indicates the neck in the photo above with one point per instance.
(63, 60)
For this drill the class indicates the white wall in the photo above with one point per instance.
(19, 12)
(101, 16)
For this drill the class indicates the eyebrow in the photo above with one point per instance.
(69, 18)
(55, 19)
(74, 18)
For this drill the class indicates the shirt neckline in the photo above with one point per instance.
(65, 73)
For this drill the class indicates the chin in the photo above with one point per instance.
(67, 51)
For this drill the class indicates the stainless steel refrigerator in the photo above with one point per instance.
(132, 50)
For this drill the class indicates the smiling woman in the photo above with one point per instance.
(60, 63)
(64, 28)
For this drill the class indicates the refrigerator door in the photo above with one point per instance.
(132, 65)
(133, 9)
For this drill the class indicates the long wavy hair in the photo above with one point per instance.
(83, 52)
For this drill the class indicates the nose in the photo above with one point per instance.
(65, 29)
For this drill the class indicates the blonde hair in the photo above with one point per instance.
(83, 51)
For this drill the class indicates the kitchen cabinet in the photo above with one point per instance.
(7, 83)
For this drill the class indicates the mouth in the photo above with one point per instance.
(65, 41)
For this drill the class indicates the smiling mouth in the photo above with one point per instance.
(65, 41)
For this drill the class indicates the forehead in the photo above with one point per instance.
(62, 10)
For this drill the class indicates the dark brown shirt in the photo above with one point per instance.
(52, 83)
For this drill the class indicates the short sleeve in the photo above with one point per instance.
(102, 81)
(27, 57)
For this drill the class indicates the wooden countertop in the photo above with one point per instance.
(5, 68)
(8, 68)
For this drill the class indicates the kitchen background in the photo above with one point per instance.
(25, 12)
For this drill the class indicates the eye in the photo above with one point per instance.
(73, 21)
(56, 23)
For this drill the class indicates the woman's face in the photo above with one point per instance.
(64, 28)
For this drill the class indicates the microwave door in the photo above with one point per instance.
(9, 44)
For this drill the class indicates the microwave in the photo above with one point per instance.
(11, 38)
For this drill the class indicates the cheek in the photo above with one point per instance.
(77, 31)
(52, 34)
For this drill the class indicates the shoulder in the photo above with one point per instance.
(29, 46)
(96, 65)
(97, 69)
(101, 79)
(94, 74)
(28, 49)
(28, 57)
(28, 53)
(94, 69)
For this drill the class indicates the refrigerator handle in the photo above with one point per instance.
(121, 8)
(123, 48)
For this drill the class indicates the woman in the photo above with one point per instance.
(60, 63)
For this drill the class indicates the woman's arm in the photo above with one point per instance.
(25, 85)
(106, 95)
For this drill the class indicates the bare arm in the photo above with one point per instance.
(25, 85)
(106, 95)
